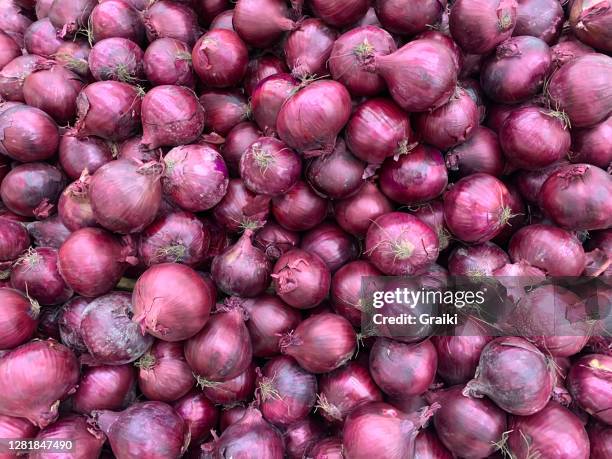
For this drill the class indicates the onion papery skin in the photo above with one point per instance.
(74, 206)
(77, 154)
(459, 117)
(585, 106)
(160, 307)
(576, 197)
(401, 244)
(12, 76)
(468, 427)
(167, 19)
(105, 387)
(224, 108)
(533, 138)
(269, 167)
(331, 244)
(287, 391)
(592, 145)
(299, 209)
(9, 49)
(50, 232)
(589, 383)
(166, 432)
(346, 289)
(260, 68)
(275, 240)
(344, 389)
(199, 414)
(225, 336)
(163, 373)
(539, 18)
(242, 269)
(301, 279)
(404, 72)
(109, 110)
(480, 26)
(236, 142)
(74, 56)
(19, 318)
(417, 176)
(88, 442)
(231, 391)
(35, 377)
(109, 334)
(269, 318)
(321, 343)
(269, 96)
(476, 208)
(398, 16)
(116, 18)
(14, 241)
(480, 153)
(522, 393)
(171, 116)
(220, 58)
(567, 50)
(554, 432)
(384, 120)
(168, 61)
(458, 356)
(241, 209)
(591, 23)
(261, 24)
(477, 260)
(196, 177)
(116, 59)
(308, 47)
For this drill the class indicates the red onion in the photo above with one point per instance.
(476, 208)
(331, 244)
(592, 145)
(301, 279)
(340, 14)
(116, 18)
(108, 109)
(468, 427)
(379, 429)
(230, 391)
(308, 47)
(354, 214)
(383, 120)
(231, 416)
(585, 105)
(28, 134)
(15, 429)
(269, 167)
(14, 239)
(167, 61)
(223, 20)
(166, 432)
(74, 206)
(553, 432)
(163, 373)
(34, 378)
(480, 153)
(539, 18)
(576, 197)
(416, 176)
(261, 23)
(345, 388)
(300, 208)
(50, 232)
(275, 240)
(105, 387)
(19, 318)
(404, 72)
(458, 355)
(459, 117)
(220, 58)
(195, 177)
(567, 50)
(329, 448)
(429, 446)
(529, 183)
(600, 439)
(321, 343)
(100, 271)
(86, 441)
(76, 155)
(479, 26)
(242, 269)
(226, 337)
(514, 374)
(310, 120)
(167, 19)
(399, 16)
(236, 142)
(199, 414)
(259, 68)
(163, 313)
(286, 392)
(224, 109)
(346, 289)
(301, 436)
(241, 209)
(69, 16)
(32, 189)
(589, 385)
(448, 42)
(269, 318)
(41, 38)
(351, 53)
(171, 116)
(477, 260)
(13, 74)
(591, 23)
(74, 56)
(9, 49)
(116, 59)
(269, 96)
(209, 9)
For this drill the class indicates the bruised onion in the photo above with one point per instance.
(105, 387)
(300, 208)
(589, 384)
(116, 18)
(167, 19)
(269, 96)
(261, 23)
(168, 61)
(308, 47)
(355, 213)
(28, 133)
(19, 318)
(480, 153)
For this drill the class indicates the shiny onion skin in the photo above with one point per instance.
(381, 119)
(241, 209)
(287, 393)
(480, 153)
(145, 429)
(589, 383)
(476, 208)
(171, 116)
(224, 108)
(584, 105)
(458, 356)
(261, 23)
(199, 414)
(163, 373)
(162, 309)
(28, 134)
(299, 209)
(308, 47)
(301, 436)
(14, 241)
(220, 58)
(523, 392)
(404, 18)
(269, 96)
(116, 18)
(34, 378)
(226, 337)
(476, 260)
(108, 332)
(77, 154)
(591, 22)
(406, 70)
(398, 243)
(167, 19)
(553, 432)
(116, 59)
(19, 318)
(539, 18)
(236, 142)
(417, 176)
(168, 61)
(275, 240)
(301, 279)
(104, 387)
(87, 441)
(401, 369)
(74, 206)
(346, 289)
(260, 68)
(321, 343)
(576, 197)
(12, 76)
(352, 52)
(334, 246)
(340, 13)
(593, 145)
(231, 391)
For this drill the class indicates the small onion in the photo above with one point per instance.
(87, 441)
(74, 206)
(275, 240)
(346, 289)
(50, 232)
(74, 56)
(231, 391)
(224, 108)
(9, 49)
(301, 435)
(591, 23)
(476, 260)
(14, 239)
(539, 18)
(12, 76)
